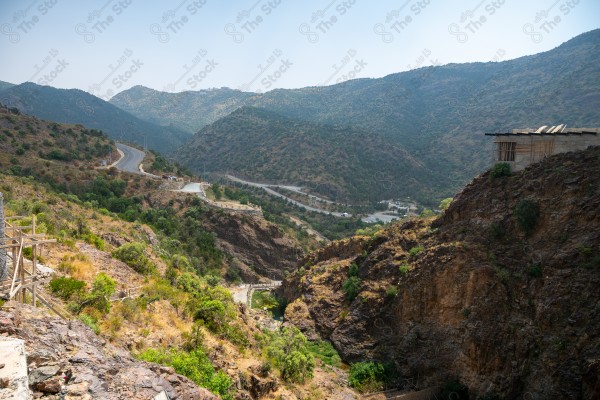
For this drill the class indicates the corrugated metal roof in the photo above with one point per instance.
(559, 130)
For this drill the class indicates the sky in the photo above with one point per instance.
(107, 46)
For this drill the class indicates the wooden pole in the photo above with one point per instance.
(34, 263)
(22, 267)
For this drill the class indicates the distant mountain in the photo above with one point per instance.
(79, 107)
(189, 111)
(438, 114)
(5, 85)
(336, 161)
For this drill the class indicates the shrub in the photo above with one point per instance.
(445, 203)
(290, 353)
(66, 288)
(195, 365)
(391, 292)
(367, 376)
(133, 255)
(414, 251)
(102, 288)
(353, 270)
(404, 268)
(91, 322)
(527, 213)
(212, 312)
(351, 287)
(324, 351)
(499, 170)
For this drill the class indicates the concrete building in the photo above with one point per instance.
(522, 147)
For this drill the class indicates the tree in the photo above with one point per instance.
(133, 255)
(291, 355)
(351, 287)
(444, 204)
(102, 288)
(216, 189)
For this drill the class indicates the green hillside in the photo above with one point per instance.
(189, 111)
(75, 106)
(335, 161)
(437, 114)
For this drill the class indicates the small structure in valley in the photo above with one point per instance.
(522, 147)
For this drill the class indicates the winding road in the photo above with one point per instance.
(131, 160)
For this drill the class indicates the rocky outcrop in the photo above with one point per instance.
(259, 247)
(67, 358)
(473, 295)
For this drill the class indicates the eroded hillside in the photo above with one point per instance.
(500, 293)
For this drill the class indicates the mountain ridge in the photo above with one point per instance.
(79, 107)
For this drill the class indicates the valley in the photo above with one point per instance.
(363, 240)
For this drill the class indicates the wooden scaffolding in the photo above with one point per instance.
(17, 234)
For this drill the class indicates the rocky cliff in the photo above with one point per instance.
(57, 349)
(501, 292)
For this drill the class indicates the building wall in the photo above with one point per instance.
(533, 148)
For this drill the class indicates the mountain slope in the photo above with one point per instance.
(438, 114)
(5, 85)
(189, 111)
(334, 161)
(471, 296)
(79, 107)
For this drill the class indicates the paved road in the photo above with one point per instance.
(131, 160)
(267, 188)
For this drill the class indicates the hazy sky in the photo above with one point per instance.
(106, 46)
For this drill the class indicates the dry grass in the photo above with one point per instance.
(78, 266)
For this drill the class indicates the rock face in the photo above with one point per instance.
(259, 247)
(66, 357)
(472, 296)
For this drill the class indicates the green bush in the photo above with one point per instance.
(99, 297)
(500, 169)
(527, 213)
(414, 251)
(367, 376)
(391, 292)
(324, 351)
(351, 287)
(353, 270)
(91, 322)
(290, 352)
(133, 255)
(195, 365)
(404, 268)
(66, 288)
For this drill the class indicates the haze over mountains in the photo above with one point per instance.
(424, 126)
